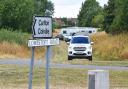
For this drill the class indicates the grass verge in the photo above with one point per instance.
(13, 44)
(110, 48)
(16, 77)
(60, 56)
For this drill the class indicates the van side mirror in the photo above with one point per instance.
(92, 43)
(68, 42)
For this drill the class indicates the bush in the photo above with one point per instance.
(8, 35)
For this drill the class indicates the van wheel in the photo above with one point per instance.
(90, 58)
(69, 58)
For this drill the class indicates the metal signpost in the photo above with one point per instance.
(42, 28)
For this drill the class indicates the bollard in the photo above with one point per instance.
(98, 79)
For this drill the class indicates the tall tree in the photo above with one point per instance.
(116, 16)
(89, 9)
(49, 8)
(17, 14)
(120, 22)
(109, 11)
(40, 7)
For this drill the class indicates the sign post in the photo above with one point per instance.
(31, 69)
(42, 29)
(47, 67)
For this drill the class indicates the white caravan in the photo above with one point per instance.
(69, 31)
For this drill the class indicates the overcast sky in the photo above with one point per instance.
(70, 8)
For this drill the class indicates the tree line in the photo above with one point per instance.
(113, 17)
(18, 14)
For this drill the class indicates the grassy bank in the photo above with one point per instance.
(13, 37)
(108, 47)
(16, 77)
(13, 44)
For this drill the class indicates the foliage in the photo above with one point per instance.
(13, 37)
(49, 8)
(89, 9)
(40, 7)
(18, 14)
(13, 44)
(56, 26)
(116, 16)
(120, 23)
(98, 21)
(68, 22)
(109, 11)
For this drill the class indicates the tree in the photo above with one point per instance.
(109, 11)
(18, 14)
(65, 20)
(97, 21)
(120, 22)
(49, 9)
(89, 9)
(40, 7)
(116, 16)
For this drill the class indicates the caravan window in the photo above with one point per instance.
(64, 32)
(90, 32)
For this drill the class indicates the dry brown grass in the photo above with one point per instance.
(43, 87)
(110, 47)
(106, 47)
(13, 50)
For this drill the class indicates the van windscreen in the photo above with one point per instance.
(80, 40)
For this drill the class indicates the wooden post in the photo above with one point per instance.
(98, 79)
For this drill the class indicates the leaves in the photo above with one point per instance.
(18, 14)
(116, 16)
(90, 9)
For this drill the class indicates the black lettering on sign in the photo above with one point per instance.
(34, 43)
(43, 31)
(44, 22)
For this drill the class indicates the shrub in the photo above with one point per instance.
(8, 35)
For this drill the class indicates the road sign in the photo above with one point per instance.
(42, 27)
(43, 42)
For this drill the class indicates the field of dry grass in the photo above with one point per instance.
(108, 47)
(13, 44)
(13, 50)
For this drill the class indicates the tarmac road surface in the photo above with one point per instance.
(22, 62)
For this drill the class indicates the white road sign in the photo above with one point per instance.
(43, 42)
(42, 27)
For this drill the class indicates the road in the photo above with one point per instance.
(53, 65)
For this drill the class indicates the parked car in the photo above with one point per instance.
(61, 37)
(80, 46)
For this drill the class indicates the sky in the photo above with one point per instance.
(70, 8)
